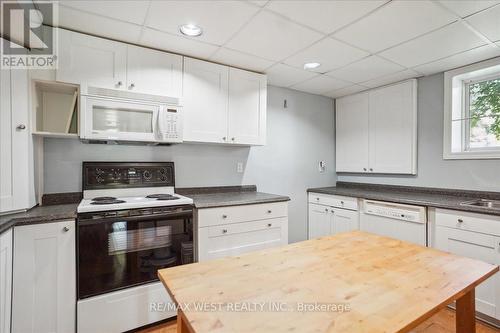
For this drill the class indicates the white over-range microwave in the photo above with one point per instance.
(108, 115)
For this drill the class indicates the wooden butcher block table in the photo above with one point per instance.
(351, 282)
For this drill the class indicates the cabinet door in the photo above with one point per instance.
(205, 101)
(5, 280)
(352, 133)
(154, 72)
(91, 61)
(478, 246)
(247, 107)
(393, 129)
(16, 182)
(320, 221)
(44, 287)
(345, 220)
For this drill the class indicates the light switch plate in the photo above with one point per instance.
(322, 166)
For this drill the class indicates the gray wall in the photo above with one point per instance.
(298, 137)
(433, 171)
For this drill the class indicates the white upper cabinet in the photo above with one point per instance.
(223, 105)
(154, 72)
(352, 133)
(393, 129)
(247, 107)
(102, 63)
(91, 61)
(377, 130)
(205, 101)
(16, 162)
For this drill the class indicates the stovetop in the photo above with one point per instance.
(90, 204)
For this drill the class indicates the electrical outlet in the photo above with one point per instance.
(239, 167)
(321, 166)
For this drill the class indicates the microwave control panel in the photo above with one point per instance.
(170, 125)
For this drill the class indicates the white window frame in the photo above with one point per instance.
(456, 100)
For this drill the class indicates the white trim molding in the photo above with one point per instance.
(454, 102)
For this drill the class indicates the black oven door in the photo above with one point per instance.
(120, 249)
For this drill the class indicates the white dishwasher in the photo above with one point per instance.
(404, 222)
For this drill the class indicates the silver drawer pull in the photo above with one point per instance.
(460, 221)
(224, 216)
(224, 231)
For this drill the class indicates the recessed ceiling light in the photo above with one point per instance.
(191, 30)
(311, 65)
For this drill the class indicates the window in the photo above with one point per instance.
(472, 112)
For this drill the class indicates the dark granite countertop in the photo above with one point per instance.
(429, 197)
(39, 214)
(203, 197)
(209, 197)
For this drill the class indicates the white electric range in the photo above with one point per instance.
(130, 224)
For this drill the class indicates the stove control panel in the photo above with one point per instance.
(108, 175)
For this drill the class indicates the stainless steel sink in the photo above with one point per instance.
(494, 204)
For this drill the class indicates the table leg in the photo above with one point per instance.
(181, 323)
(466, 313)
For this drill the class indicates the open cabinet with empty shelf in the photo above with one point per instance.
(55, 107)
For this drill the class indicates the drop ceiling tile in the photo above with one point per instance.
(272, 37)
(129, 11)
(487, 22)
(324, 16)
(320, 84)
(461, 59)
(285, 76)
(330, 53)
(242, 60)
(395, 23)
(366, 69)
(345, 91)
(98, 25)
(392, 78)
(465, 8)
(452, 39)
(219, 19)
(176, 44)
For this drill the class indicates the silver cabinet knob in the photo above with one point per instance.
(119, 84)
(232, 139)
(342, 203)
(224, 231)
(65, 229)
(332, 211)
(326, 210)
(21, 127)
(317, 199)
(460, 221)
(269, 224)
(224, 216)
(132, 86)
(364, 169)
(371, 169)
(224, 138)
(269, 211)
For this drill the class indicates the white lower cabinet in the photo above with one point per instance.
(326, 218)
(463, 234)
(44, 278)
(5, 280)
(233, 230)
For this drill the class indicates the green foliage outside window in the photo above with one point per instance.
(485, 112)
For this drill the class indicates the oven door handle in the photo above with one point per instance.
(184, 214)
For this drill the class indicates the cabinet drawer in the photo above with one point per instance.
(487, 224)
(334, 201)
(235, 214)
(236, 228)
(239, 238)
